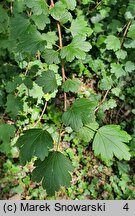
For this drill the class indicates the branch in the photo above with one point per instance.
(101, 102)
(11, 7)
(62, 63)
(43, 111)
(125, 32)
(52, 3)
(98, 4)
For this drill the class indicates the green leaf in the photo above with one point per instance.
(85, 2)
(28, 82)
(96, 65)
(3, 20)
(80, 113)
(116, 91)
(106, 82)
(36, 92)
(129, 66)
(70, 53)
(123, 167)
(34, 142)
(6, 132)
(57, 10)
(70, 4)
(121, 54)
(79, 27)
(50, 38)
(40, 13)
(65, 17)
(117, 70)
(18, 26)
(53, 171)
(76, 49)
(71, 85)
(109, 104)
(13, 105)
(31, 41)
(40, 21)
(112, 43)
(47, 81)
(79, 42)
(38, 7)
(3, 14)
(96, 19)
(130, 44)
(131, 32)
(12, 85)
(87, 132)
(2, 97)
(131, 7)
(51, 56)
(59, 13)
(19, 6)
(109, 141)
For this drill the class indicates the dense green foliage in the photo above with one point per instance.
(67, 75)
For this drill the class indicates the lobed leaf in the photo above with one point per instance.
(13, 106)
(79, 114)
(51, 56)
(18, 26)
(34, 142)
(87, 132)
(117, 70)
(6, 132)
(129, 66)
(131, 32)
(51, 38)
(47, 81)
(71, 85)
(76, 49)
(110, 141)
(53, 171)
(41, 21)
(60, 13)
(70, 4)
(79, 27)
(31, 41)
(38, 7)
(112, 43)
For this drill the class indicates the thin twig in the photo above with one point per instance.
(61, 46)
(60, 35)
(58, 142)
(11, 7)
(52, 3)
(43, 111)
(62, 63)
(101, 102)
(98, 4)
(26, 71)
(125, 33)
(118, 112)
(79, 2)
(122, 29)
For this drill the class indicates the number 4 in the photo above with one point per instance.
(126, 207)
